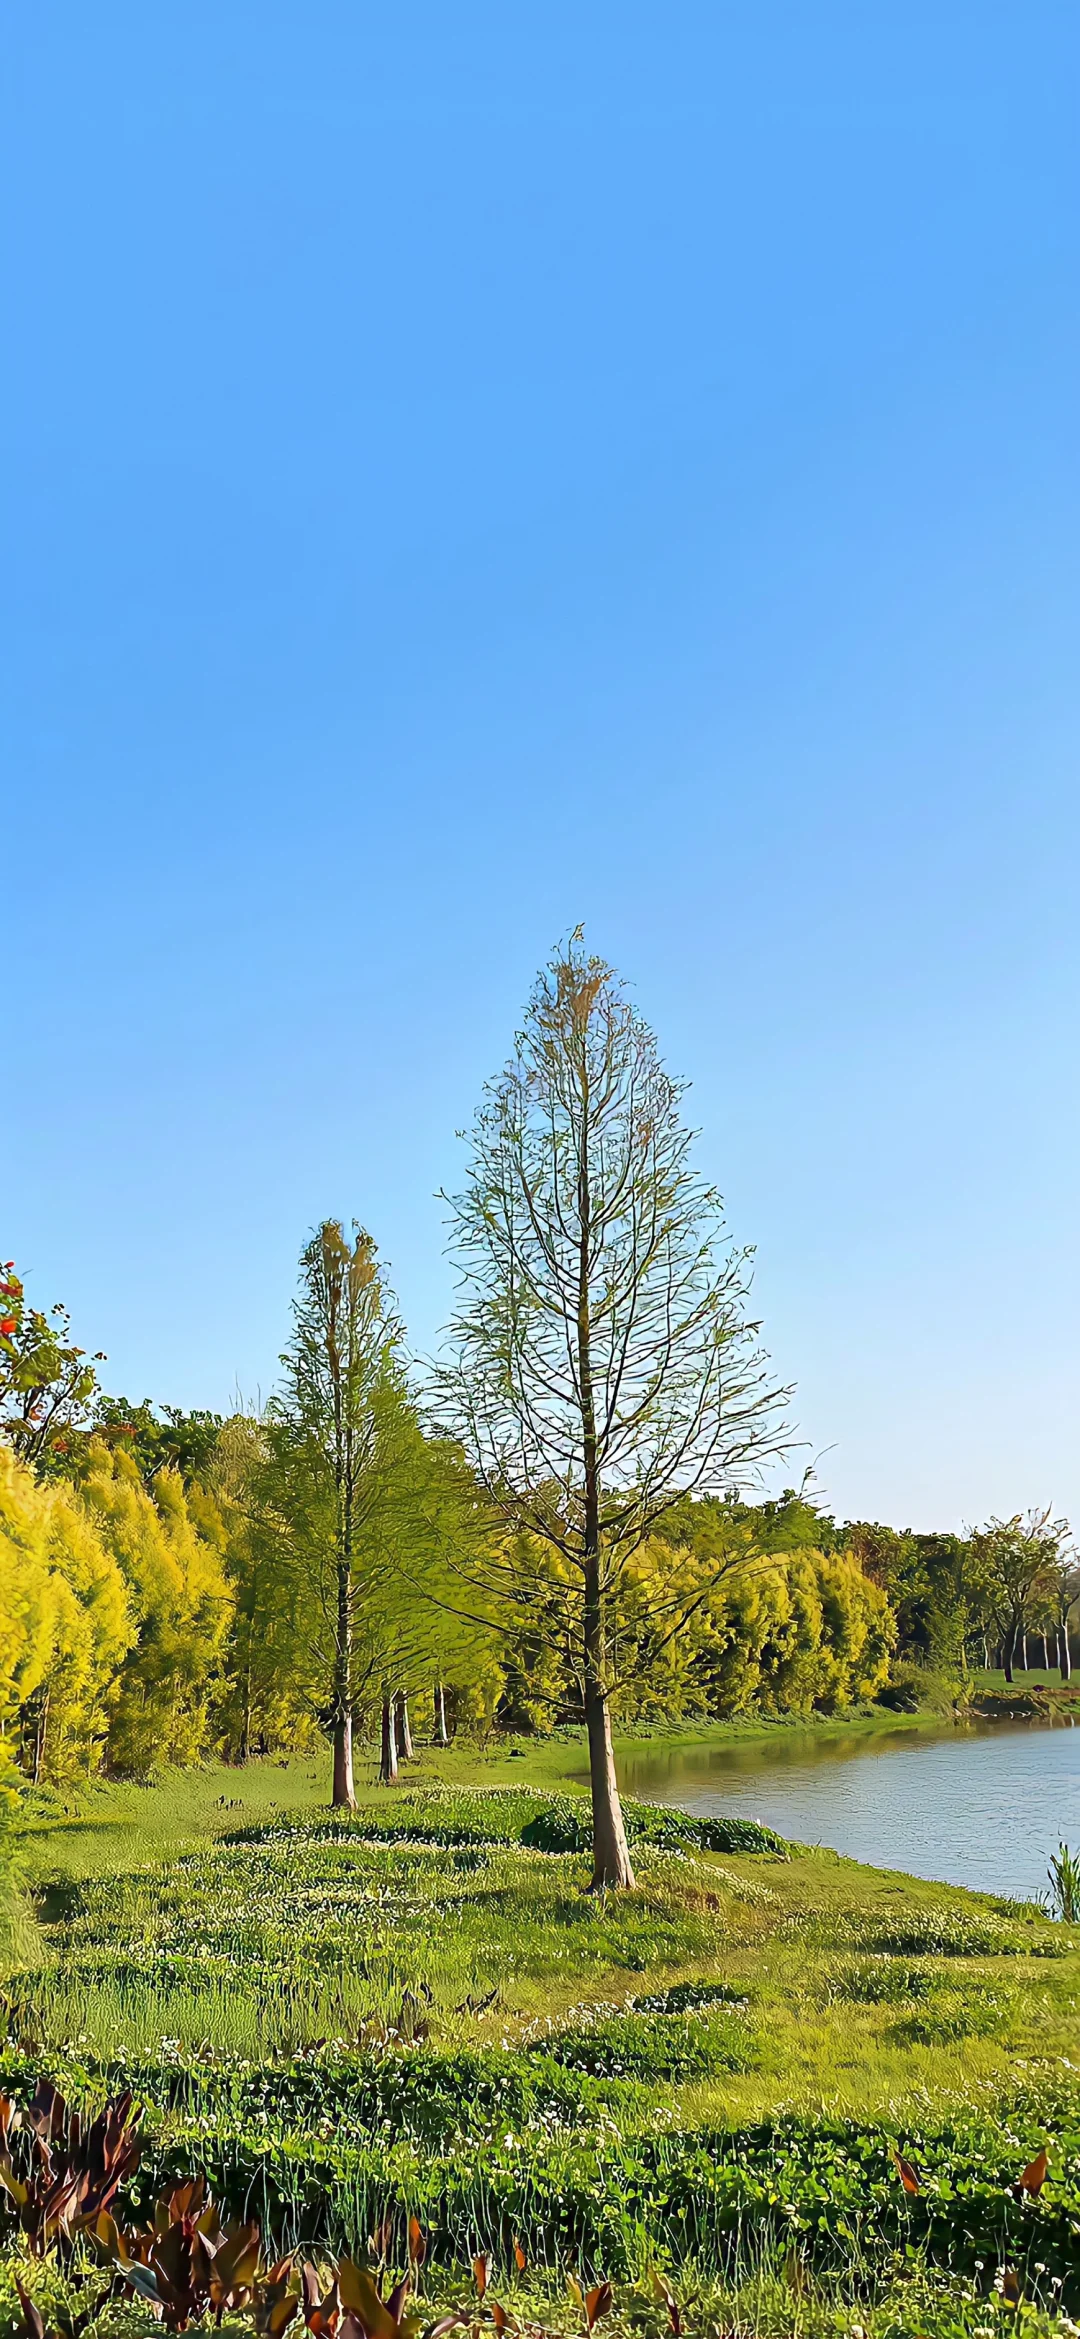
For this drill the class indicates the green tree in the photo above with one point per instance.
(160, 1438)
(1063, 1596)
(352, 1509)
(601, 1362)
(340, 1441)
(48, 1386)
(1016, 1558)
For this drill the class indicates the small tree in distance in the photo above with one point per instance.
(601, 1362)
(332, 1436)
(1018, 1558)
(350, 1508)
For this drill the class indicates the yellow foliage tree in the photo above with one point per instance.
(180, 1594)
(66, 1624)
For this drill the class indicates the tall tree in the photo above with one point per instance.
(332, 1431)
(358, 1505)
(601, 1361)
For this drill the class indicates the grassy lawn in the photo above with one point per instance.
(417, 2011)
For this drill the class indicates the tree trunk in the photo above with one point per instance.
(1064, 1653)
(441, 1735)
(388, 1770)
(344, 1790)
(401, 1726)
(1046, 1655)
(611, 1853)
(612, 1869)
(1007, 1653)
(41, 1727)
(986, 1656)
(245, 1727)
(1024, 1666)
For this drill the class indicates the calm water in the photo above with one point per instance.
(981, 1807)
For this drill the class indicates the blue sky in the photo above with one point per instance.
(475, 469)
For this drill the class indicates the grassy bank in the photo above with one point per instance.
(422, 2011)
(107, 1824)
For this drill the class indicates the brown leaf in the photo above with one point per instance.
(417, 2243)
(1010, 2288)
(668, 2302)
(908, 2178)
(31, 2315)
(360, 2298)
(597, 2302)
(395, 2304)
(1034, 2176)
(520, 2259)
(481, 2269)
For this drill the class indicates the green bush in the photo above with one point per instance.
(655, 2046)
(510, 1815)
(565, 1826)
(902, 1693)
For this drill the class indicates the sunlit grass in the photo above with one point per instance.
(334, 2023)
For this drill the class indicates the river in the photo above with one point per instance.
(981, 1806)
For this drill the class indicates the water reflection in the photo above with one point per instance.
(983, 1806)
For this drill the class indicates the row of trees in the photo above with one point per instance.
(986, 1598)
(553, 1519)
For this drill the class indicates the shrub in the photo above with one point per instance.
(566, 1827)
(655, 2046)
(902, 1693)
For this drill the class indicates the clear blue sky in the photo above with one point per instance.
(474, 468)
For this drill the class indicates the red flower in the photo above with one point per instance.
(7, 1327)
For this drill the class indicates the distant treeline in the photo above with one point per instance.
(156, 1603)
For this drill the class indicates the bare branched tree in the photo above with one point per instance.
(601, 1362)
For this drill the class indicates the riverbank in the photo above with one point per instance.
(104, 1823)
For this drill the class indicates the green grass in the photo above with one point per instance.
(416, 2010)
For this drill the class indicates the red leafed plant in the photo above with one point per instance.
(59, 2172)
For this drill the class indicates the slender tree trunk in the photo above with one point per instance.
(1007, 1652)
(1064, 1653)
(441, 1736)
(245, 1727)
(388, 1769)
(986, 1656)
(42, 1725)
(401, 1726)
(611, 1853)
(1024, 1666)
(1046, 1655)
(344, 1791)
